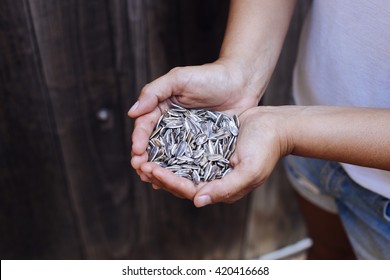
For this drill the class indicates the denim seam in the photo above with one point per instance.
(330, 173)
(301, 180)
(385, 215)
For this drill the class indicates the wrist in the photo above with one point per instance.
(250, 81)
(281, 123)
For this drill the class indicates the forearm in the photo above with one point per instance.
(254, 37)
(353, 135)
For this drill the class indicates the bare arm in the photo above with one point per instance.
(254, 37)
(353, 135)
(253, 40)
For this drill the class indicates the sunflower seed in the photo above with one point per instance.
(195, 144)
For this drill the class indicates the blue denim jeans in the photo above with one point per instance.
(364, 214)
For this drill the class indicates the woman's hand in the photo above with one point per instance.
(218, 86)
(234, 83)
(262, 141)
(260, 145)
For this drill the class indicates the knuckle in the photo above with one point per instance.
(175, 71)
(139, 122)
(142, 127)
(179, 74)
(146, 89)
(134, 164)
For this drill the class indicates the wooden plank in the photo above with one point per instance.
(67, 190)
(36, 218)
(65, 61)
(77, 58)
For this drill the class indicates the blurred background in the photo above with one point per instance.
(69, 71)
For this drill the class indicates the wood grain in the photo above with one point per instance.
(66, 187)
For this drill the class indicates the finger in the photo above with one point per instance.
(155, 92)
(176, 185)
(172, 183)
(138, 160)
(157, 185)
(143, 176)
(143, 128)
(229, 189)
(147, 168)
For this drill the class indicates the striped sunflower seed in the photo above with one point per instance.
(195, 144)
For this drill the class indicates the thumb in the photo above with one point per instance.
(156, 92)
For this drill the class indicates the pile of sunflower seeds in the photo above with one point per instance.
(195, 144)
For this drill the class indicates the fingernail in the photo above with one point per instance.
(134, 107)
(203, 201)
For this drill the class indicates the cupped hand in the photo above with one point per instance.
(261, 143)
(219, 86)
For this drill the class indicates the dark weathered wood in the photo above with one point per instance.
(36, 216)
(66, 186)
(67, 190)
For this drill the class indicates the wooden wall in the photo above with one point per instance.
(69, 72)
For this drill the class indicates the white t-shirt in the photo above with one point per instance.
(344, 59)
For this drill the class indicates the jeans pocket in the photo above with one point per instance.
(297, 176)
(304, 176)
